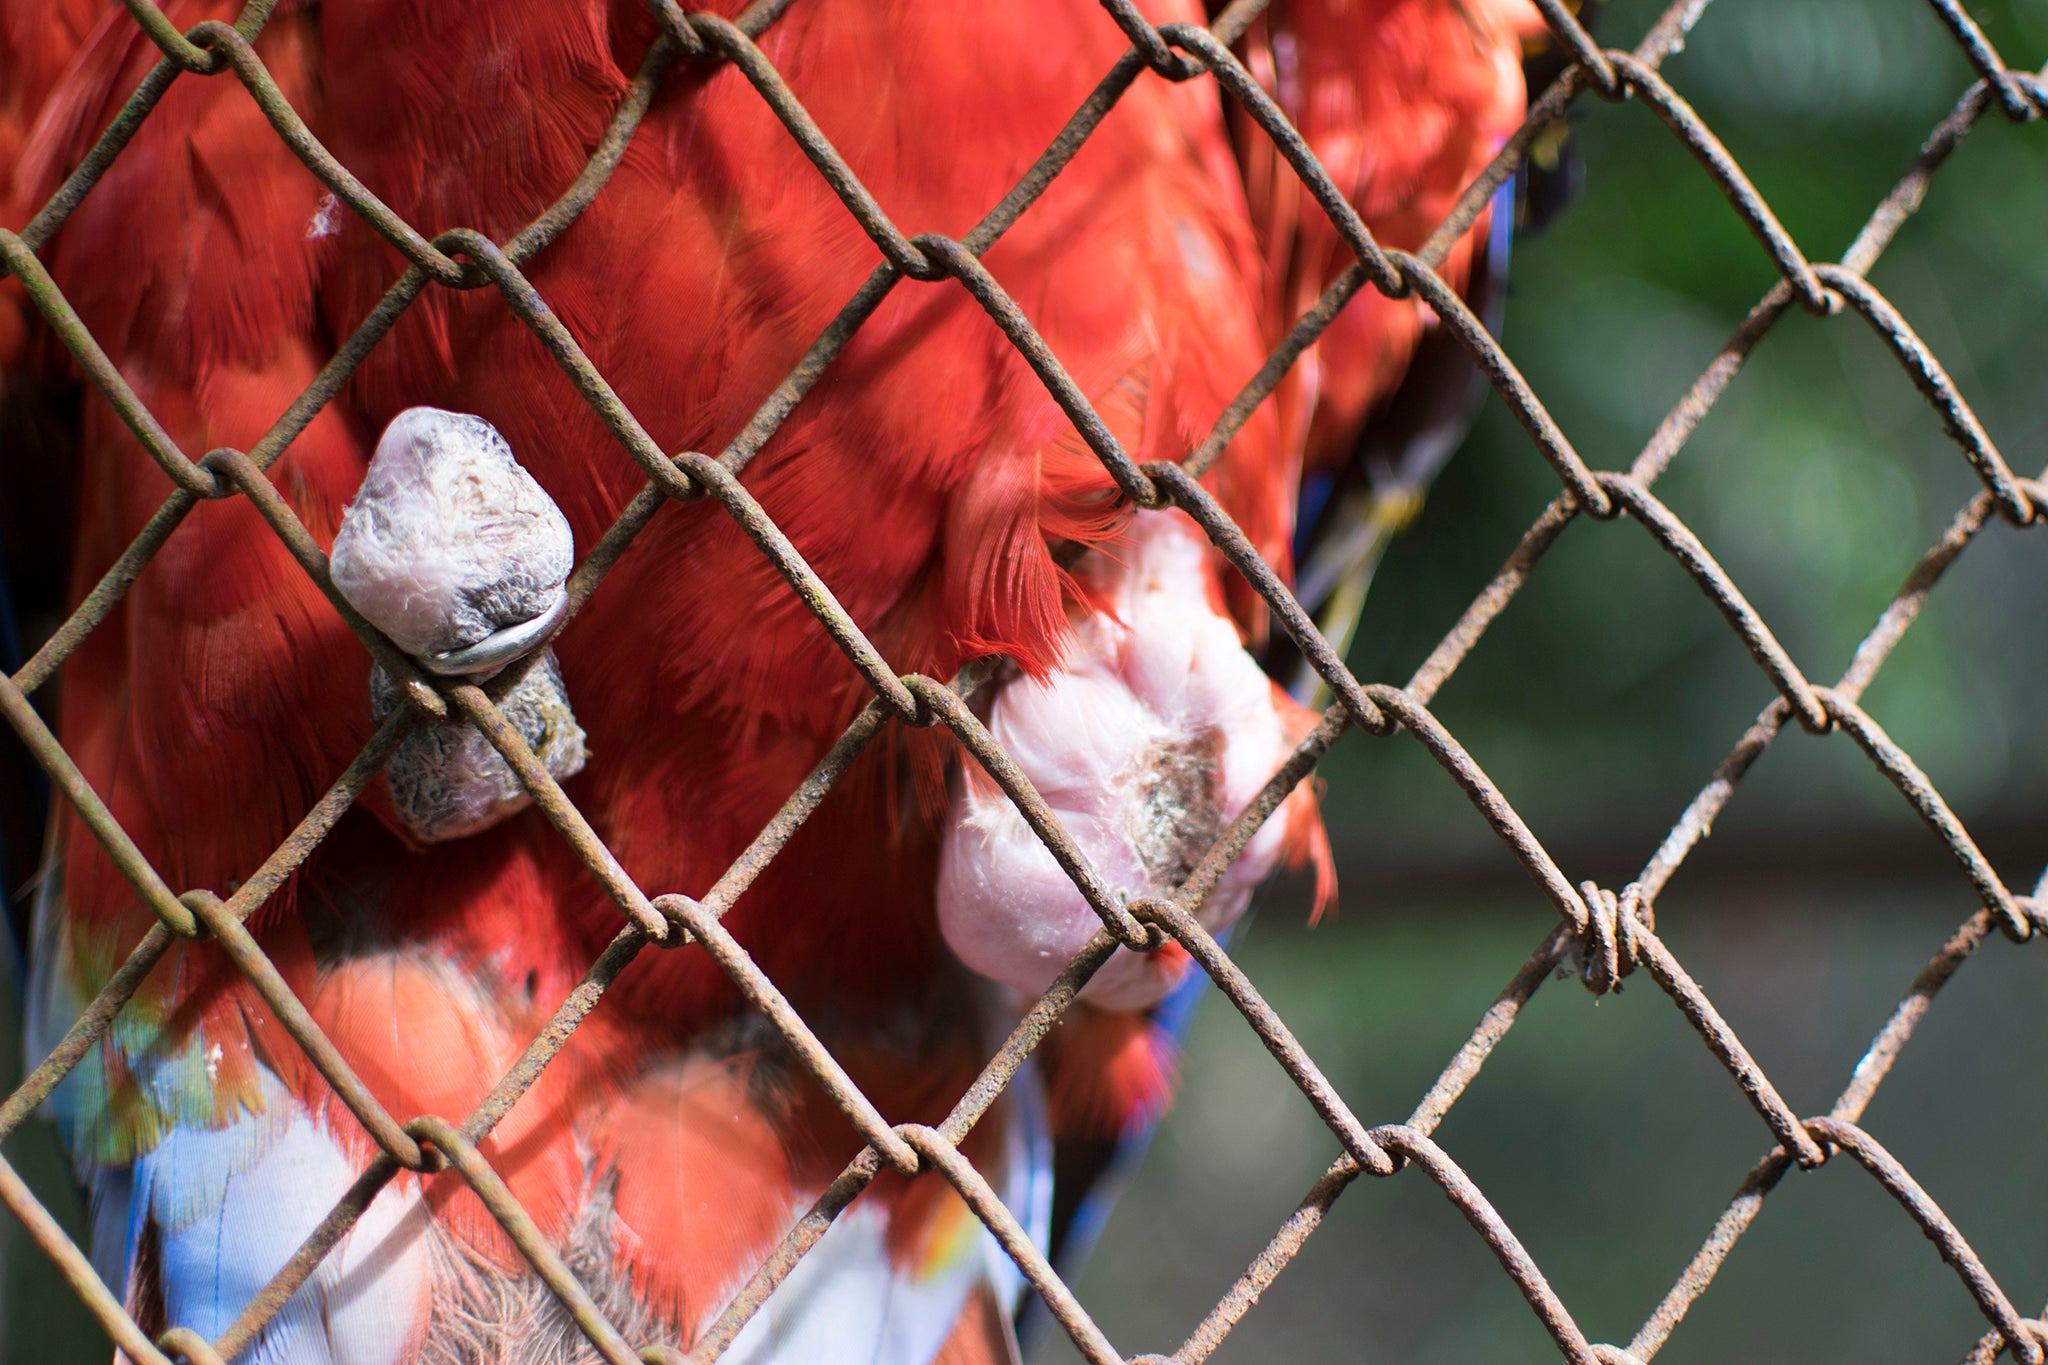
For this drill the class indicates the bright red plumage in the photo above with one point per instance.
(927, 479)
(1404, 102)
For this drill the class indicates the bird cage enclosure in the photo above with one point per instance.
(1602, 934)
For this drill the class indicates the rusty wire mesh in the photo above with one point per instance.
(1612, 933)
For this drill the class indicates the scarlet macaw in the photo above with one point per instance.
(928, 480)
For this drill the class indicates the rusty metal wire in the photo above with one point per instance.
(1612, 934)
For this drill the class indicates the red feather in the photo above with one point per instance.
(927, 479)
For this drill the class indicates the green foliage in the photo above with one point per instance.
(1602, 701)
(1603, 698)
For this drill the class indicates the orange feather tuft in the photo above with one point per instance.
(1110, 1073)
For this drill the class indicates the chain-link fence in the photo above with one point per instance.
(1607, 933)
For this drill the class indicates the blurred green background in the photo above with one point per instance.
(1601, 702)
(1602, 1130)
